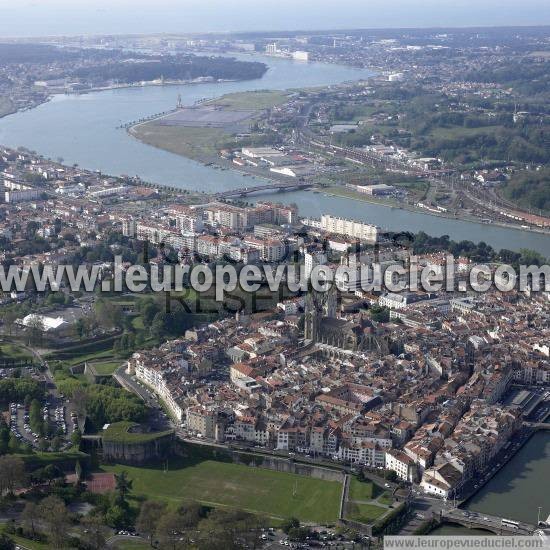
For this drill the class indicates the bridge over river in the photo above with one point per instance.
(495, 524)
(243, 192)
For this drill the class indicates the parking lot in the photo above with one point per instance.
(54, 413)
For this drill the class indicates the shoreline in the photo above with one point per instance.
(417, 210)
(215, 163)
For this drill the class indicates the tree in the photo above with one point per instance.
(53, 514)
(157, 326)
(299, 534)
(380, 314)
(36, 418)
(6, 542)
(35, 329)
(76, 438)
(149, 515)
(390, 475)
(80, 328)
(4, 436)
(56, 444)
(170, 531)
(290, 523)
(148, 312)
(51, 472)
(95, 532)
(10, 317)
(78, 471)
(12, 474)
(80, 401)
(108, 315)
(123, 486)
(13, 445)
(229, 529)
(30, 516)
(119, 517)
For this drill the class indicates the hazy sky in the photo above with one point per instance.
(49, 17)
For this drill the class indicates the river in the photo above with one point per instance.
(517, 490)
(82, 129)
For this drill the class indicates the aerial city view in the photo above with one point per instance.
(274, 275)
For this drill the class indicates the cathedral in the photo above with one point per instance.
(322, 325)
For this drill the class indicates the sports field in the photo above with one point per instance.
(275, 494)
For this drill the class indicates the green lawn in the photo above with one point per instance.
(457, 132)
(132, 545)
(258, 490)
(27, 543)
(120, 432)
(365, 513)
(362, 490)
(13, 351)
(194, 143)
(385, 498)
(255, 100)
(106, 367)
(6, 106)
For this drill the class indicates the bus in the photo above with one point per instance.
(510, 523)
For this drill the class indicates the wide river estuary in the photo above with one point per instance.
(83, 129)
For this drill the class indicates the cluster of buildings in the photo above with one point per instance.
(279, 162)
(419, 391)
(250, 234)
(425, 401)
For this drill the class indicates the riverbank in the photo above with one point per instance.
(90, 138)
(200, 80)
(517, 490)
(200, 131)
(201, 140)
(7, 108)
(346, 193)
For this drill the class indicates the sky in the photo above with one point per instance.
(57, 17)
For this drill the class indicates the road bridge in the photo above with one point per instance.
(244, 191)
(495, 524)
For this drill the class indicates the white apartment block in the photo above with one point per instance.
(155, 379)
(402, 464)
(349, 228)
(12, 197)
(313, 259)
(368, 454)
(202, 421)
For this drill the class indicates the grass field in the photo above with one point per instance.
(194, 143)
(6, 106)
(13, 351)
(106, 367)
(363, 490)
(255, 100)
(203, 144)
(132, 545)
(365, 513)
(457, 132)
(27, 543)
(367, 501)
(275, 494)
(385, 498)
